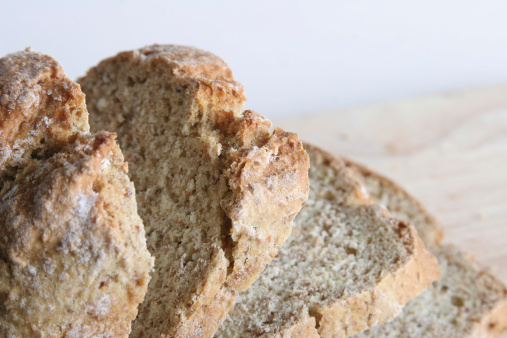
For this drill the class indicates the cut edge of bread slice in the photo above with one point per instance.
(311, 287)
(467, 301)
(217, 190)
(471, 301)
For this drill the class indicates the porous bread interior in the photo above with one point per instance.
(180, 136)
(341, 245)
(400, 203)
(173, 189)
(463, 302)
(74, 254)
(457, 305)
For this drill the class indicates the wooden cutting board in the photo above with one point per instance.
(449, 150)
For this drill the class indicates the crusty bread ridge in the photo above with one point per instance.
(217, 191)
(347, 266)
(31, 85)
(73, 256)
(467, 301)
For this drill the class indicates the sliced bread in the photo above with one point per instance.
(347, 266)
(73, 255)
(467, 301)
(217, 191)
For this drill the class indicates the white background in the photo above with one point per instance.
(294, 57)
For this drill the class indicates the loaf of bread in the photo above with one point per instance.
(467, 301)
(217, 191)
(348, 265)
(73, 255)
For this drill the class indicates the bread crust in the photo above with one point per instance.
(273, 225)
(31, 84)
(205, 320)
(73, 257)
(494, 323)
(266, 174)
(305, 327)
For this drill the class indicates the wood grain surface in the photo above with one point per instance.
(449, 150)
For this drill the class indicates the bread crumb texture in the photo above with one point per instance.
(467, 301)
(73, 255)
(348, 265)
(400, 203)
(217, 191)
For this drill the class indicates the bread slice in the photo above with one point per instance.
(347, 266)
(467, 301)
(217, 191)
(73, 256)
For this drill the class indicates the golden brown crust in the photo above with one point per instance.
(72, 250)
(205, 321)
(273, 179)
(184, 62)
(63, 243)
(38, 104)
(427, 226)
(305, 327)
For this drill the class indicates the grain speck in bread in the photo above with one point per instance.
(217, 191)
(73, 256)
(467, 301)
(347, 266)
